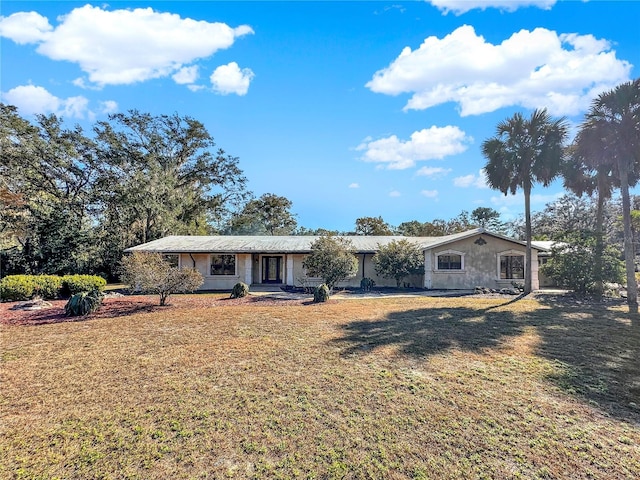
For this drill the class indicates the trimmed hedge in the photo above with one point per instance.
(25, 287)
(72, 284)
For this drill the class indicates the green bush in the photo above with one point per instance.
(321, 293)
(47, 286)
(240, 290)
(16, 287)
(25, 287)
(366, 284)
(72, 284)
(83, 303)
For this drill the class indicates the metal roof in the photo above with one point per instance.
(289, 244)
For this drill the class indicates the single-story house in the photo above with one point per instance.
(459, 261)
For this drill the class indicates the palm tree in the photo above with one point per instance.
(615, 116)
(524, 152)
(589, 170)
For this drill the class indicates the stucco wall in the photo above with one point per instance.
(480, 264)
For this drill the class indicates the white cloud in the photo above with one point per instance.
(427, 144)
(394, 193)
(532, 69)
(429, 193)
(434, 172)
(354, 185)
(459, 7)
(186, 75)
(229, 78)
(32, 99)
(478, 181)
(25, 27)
(109, 106)
(122, 46)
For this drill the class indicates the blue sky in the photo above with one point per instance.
(349, 109)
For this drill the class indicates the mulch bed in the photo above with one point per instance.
(11, 314)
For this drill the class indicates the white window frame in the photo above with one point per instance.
(511, 253)
(450, 270)
(235, 265)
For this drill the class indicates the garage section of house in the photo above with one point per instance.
(459, 261)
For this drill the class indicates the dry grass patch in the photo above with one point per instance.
(382, 388)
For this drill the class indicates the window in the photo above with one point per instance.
(511, 267)
(223, 264)
(173, 260)
(450, 261)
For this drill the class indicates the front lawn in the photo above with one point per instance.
(393, 388)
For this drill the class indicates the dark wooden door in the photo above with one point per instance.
(271, 267)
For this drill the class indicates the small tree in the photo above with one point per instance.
(571, 264)
(399, 259)
(151, 273)
(332, 259)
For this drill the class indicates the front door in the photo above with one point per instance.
(271, 269)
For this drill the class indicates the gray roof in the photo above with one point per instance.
(288, 244)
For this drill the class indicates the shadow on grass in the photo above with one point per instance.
(430, 331)
(596, 348)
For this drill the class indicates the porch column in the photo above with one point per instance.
(289, 278)
(535, 270)
(428, 269)
(248, 269)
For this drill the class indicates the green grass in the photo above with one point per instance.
(382, 388)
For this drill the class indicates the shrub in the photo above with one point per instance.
(239, 290)
(151, 273)
(572, 266)
(72, 284)
(366, 284)
(47, 286)
(25, 287)
(399, 259)
(321, 293)
(16, 287)
(83, 303)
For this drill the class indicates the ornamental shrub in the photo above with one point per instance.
(16, 287)
(25, 287)
(321, 293)
(72, 284)
(239, 290)
(332, 259)
(366, 284)
(47, 286)
(151, 273)
(83, 303)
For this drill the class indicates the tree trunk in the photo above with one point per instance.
(632, 286)
(528, 276)
(597, 261)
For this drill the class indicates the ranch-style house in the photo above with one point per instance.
(459, 261)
